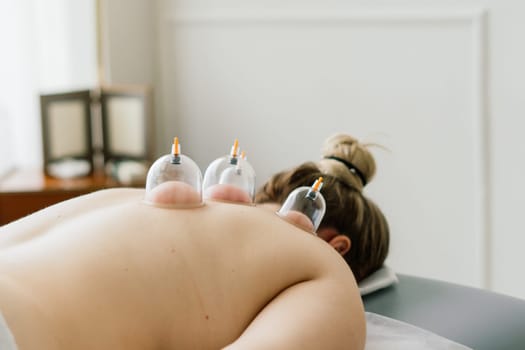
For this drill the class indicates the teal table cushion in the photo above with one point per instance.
(473, 317)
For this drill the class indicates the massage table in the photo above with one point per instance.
(473, 317)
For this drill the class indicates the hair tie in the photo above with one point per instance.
(353, 169)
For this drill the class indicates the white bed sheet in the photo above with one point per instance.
(385, 333)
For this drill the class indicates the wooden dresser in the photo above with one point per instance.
(23, 192)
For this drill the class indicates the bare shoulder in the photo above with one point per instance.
(318, 305)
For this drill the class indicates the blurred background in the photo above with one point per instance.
(438, 84)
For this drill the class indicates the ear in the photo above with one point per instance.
(341, 243)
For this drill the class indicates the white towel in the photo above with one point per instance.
(7, 341)
(380, 279)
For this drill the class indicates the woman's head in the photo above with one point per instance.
(346, 167)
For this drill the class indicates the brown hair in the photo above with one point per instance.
(346, 167)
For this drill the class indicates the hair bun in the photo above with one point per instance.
(346, 158)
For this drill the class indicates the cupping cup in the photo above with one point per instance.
(177, 167)
(308, 201)
(230, 170)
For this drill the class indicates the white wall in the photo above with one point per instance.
(506, 70)
(129, 43)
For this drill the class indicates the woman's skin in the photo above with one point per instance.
(108, 271)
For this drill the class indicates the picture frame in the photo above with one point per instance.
(67, 134)
(127, 123)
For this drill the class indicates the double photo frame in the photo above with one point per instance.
(120, 116)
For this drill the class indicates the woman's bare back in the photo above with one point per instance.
(108, 271)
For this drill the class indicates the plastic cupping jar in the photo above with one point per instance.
(307, 200)
(231, 170)
(175, 167)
